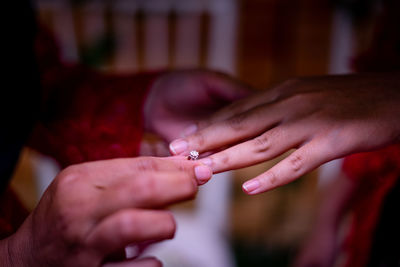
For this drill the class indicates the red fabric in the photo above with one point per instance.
(87, 115)
(101, 118)
(376, 173)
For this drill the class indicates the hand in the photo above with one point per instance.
(92, 211)
(324, 118)
(177, 99)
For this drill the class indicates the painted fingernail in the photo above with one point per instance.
(191, 129)
(203, 173)
(251, 186)
(178, 146)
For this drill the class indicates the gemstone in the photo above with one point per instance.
(193, 155)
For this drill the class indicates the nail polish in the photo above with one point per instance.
(251, 186)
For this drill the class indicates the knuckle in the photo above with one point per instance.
(59, 192)
(68, 209)
(181, 167)
(296, 162)
(146, 164)
(237, 122)
(261, 144)
(70, 175)
(224, 158)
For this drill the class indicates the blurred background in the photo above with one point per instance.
(261, 42)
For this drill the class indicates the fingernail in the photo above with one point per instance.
(191, 129)
(206, 161)
(203, 173)
(178, 146)
(251, 186)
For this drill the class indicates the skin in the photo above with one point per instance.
(177, 99)
(322, 118)
(91, 211)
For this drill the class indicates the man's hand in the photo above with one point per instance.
(178, 99)
(324, 118)
(92, 211)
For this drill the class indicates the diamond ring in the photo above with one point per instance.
(193, 155)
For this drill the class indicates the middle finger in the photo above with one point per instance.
(259, 149)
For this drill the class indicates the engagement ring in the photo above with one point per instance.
(193, 155)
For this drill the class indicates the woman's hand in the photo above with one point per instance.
(92, 211)
(324, 118)
(178, 99)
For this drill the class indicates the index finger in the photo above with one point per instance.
(237, 128)
(112, 185)
(259, 149)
